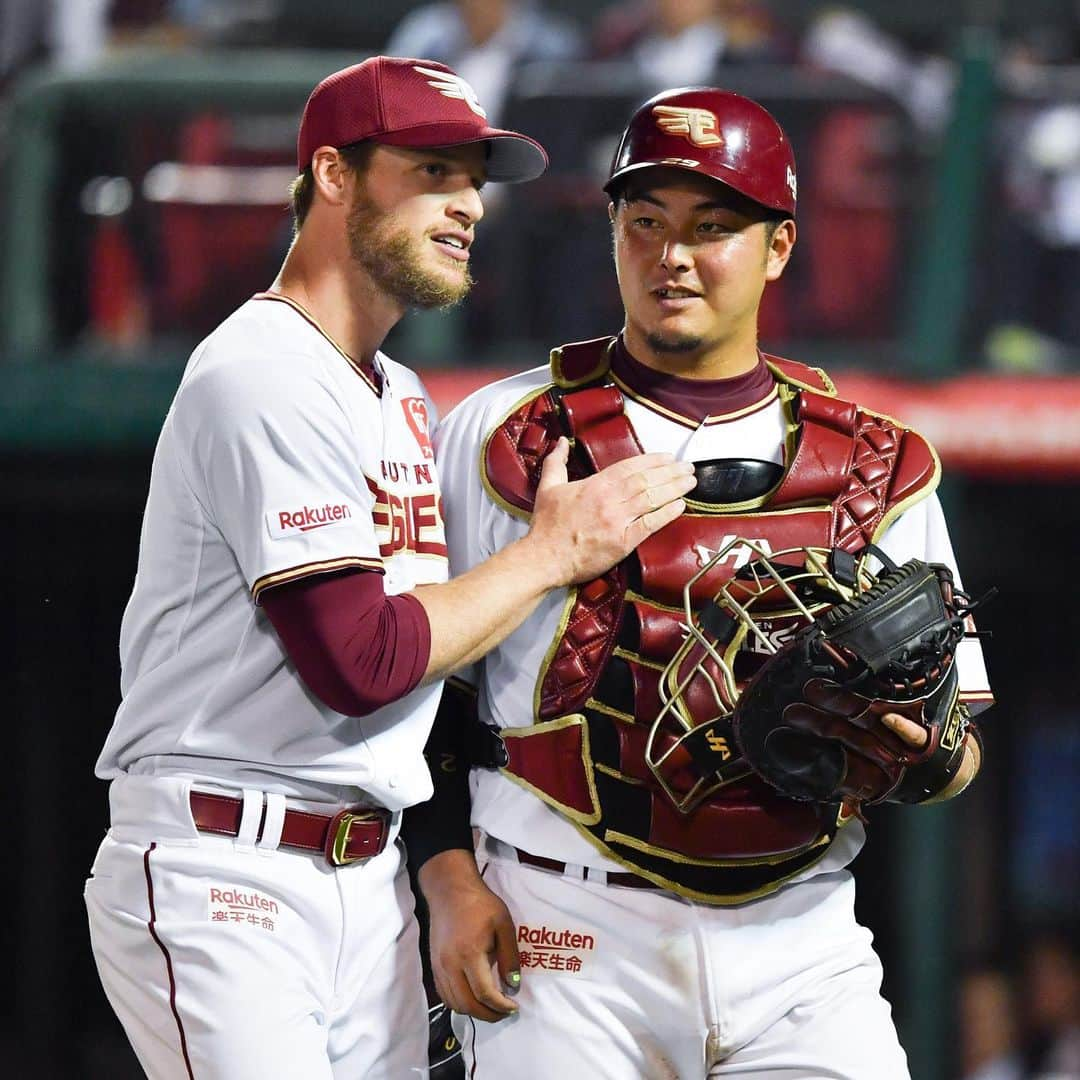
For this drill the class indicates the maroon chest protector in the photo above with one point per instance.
(849, 473)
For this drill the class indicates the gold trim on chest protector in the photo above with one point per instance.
(553, 648)
(809, 508)
(783, 377)
(715, 899)
(560, 723)
(603, 366)
(610, 710)
(634, 658)
(635, 844)
(607, 770)
(489, 488)
(615, 774)
(632, 596)
(894, 511)
(791, 429)
(580, 823)
(923, 493)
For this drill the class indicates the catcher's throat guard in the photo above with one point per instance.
(799, 655)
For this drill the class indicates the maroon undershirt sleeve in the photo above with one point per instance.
(355, 648)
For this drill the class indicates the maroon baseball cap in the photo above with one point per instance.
(399, 101)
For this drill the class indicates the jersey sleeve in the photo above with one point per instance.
(273, 458)
(921, 533)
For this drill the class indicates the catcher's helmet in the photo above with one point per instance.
(713, 132)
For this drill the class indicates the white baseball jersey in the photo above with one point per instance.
(279, 458)
(506, 677)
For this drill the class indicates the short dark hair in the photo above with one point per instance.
(773, 223)
(302, 189)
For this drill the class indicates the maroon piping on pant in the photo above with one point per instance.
(168, 961)
(472, 1071)
(472, 1022)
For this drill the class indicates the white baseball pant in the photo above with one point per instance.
(227, 959)
(632, 984)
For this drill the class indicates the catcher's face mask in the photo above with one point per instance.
(771, 598)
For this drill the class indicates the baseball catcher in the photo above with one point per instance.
(639, 738)
(843, 649)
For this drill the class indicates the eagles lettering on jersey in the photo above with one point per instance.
(408, 523)
(408, 511)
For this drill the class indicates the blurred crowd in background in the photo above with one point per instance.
(166, 209)
(1022, 1022)
(867, 100)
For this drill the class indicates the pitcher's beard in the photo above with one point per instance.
(394, 260)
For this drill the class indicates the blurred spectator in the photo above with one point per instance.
(74, 34)
(851, 43)
(1051, 992)
(849, 177)
(681, 42)
(71, 33)
(855, 180)
(988, 1033)
(94, 265)
(1038, 150)
(484, 41)
(227, 22)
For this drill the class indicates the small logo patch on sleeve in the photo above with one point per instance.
(305, 518)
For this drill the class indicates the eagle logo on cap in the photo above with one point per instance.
(699, 126)
(452, 86)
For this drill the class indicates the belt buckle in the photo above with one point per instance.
(339, 834)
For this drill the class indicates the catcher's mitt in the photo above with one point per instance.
(809, 721)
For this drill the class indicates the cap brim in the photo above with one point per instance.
(658, 163)
(720, 173)
(513, 157)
